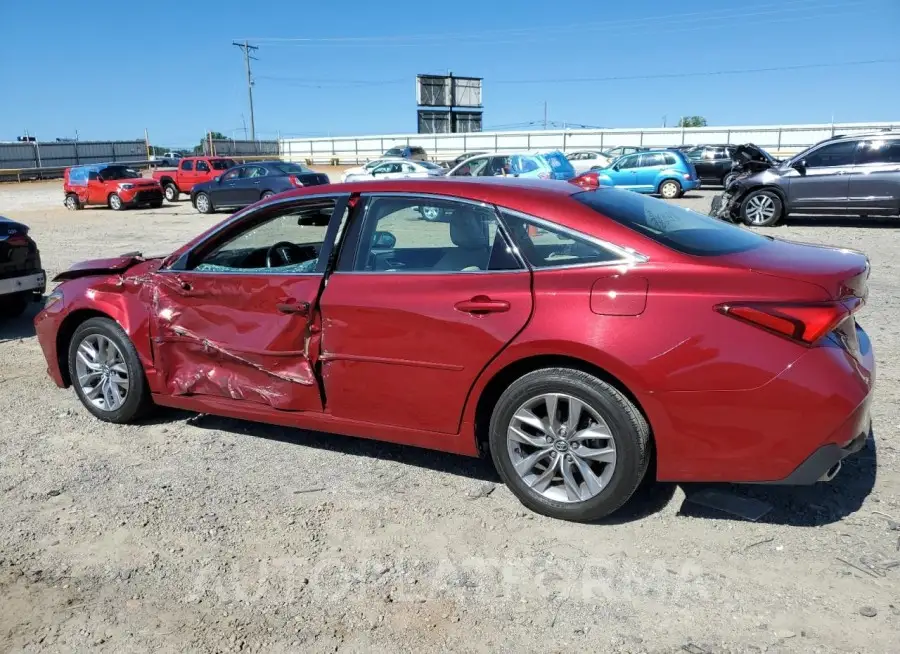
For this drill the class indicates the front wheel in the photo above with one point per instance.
(761, 208)
(203, 203)
(171, 192)
(266, 195)
(106, 372)
(115, 202)
(569, 445)
(670, 189)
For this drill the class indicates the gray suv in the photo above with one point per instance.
(844, 175)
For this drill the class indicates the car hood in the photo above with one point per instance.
(111, 265)
(8, 226)
(750, 152)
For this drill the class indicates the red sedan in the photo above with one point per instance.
(569, 333)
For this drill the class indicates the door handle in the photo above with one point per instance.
(482, 304)
(300, 308)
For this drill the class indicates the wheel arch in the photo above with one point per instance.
(767, 187)
(166, 180)
(502, 378)
(64, 337)
(668, 178)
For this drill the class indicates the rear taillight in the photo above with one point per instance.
(17, 240)
(295, 181)
(589, 181)
(804, 323)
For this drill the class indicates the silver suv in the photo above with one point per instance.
(844, 175)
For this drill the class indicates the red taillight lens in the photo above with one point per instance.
(804, 323)
(587, 181)
(17, 240)
(294, 181)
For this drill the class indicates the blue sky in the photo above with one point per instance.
(112, 69)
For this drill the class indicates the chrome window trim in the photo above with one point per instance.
(627, 255)
(501, 228)
(243, 214)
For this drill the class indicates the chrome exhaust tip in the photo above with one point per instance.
(832, 472)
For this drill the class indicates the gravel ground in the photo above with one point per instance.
(215, 535)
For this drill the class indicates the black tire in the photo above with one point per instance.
(171, 192)
(13, 305)
(666, 193)
(73, 203)
(266, 195)
(630, 430)
(137, 401)
(203, 206)
(115, 202)
(751, 213)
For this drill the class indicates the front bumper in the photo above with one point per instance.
(36, 283)
(136, 197)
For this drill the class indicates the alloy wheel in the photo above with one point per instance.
(561, 448)
(102, 372)
(202, 203)
(760, 209)
(170, 193)
(115, 202)
(71, 202)
(669, 190)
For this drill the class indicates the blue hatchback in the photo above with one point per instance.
(543, 165)
(666, 172)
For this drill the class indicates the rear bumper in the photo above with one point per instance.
(824, 463)
(35, 283)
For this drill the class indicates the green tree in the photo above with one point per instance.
(215, 136)
(692, 121)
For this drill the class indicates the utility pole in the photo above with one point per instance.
(247, 48)
(545, 114)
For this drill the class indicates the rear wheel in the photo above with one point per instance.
(106, 372)
(670, 189)
(72, 202)
(115, 202)
(761, 208)
(203, 203)
(171, 192)
(569, 445)
(431, 214)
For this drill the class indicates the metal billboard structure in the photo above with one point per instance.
(449, 104)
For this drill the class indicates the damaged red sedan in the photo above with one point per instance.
(570, 334)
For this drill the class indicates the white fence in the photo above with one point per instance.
(778, 139)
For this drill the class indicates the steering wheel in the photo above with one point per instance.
(282, 251)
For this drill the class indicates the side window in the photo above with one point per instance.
(187, 165)
(720, 153)
(526, 165)
(288, 242)
(234, 173)
(648, 160)
(202, 167)
(878, 152)
(833, 154)
(408, 168)
(671, 159)
(473, 168)
(549, 247)
(251, 172)
(394, 240)
(497, 166)
(629, 162)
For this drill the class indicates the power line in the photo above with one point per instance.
(690, 17)
(613, 78)
(246, 47)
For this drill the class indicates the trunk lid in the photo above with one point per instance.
(841, 273)
(18, 252)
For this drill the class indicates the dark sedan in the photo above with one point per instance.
(249, 183)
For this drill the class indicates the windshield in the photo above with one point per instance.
(680, 229)
(292, 168)
(222, 164)
(119, 172)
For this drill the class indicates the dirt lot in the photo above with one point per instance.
(217, 535)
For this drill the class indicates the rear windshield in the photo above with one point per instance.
(677, 228)
(394, 152)
(222, 164)
(292, 169)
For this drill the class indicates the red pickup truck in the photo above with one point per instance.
(190, 171)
